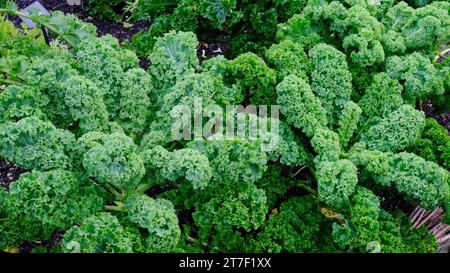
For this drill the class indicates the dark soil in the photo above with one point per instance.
(48, 244)
(391, 201)
(443, 118)
(9, 173)
(206, 51)
(154, 191)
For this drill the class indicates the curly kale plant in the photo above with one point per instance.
(114, 160)
(251, 25)
(101, 233)
(293, 229)
(157, 218)
(41, 203)
(123, 159)
(33, 143)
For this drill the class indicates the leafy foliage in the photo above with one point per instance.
(98, 132)
(371, 229)
(173, 57)
(231, 16)
(382, 97)
(405, 125)
(433, 144)
(420, 180)
(37, 144)
(105, 9)
(164, 165)
(420, 77)
(331, 80)
(40, 203)
(114, 159)
(101, 233)
(159, 220)
(336, 182)
(298, 103)
(251, 75)
(294, 229)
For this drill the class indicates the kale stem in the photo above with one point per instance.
(190, 239)
(118, 195)
(115, 208)
(119, 204)
(363, 128)
(119, 207)
(313, 172)
(9, 82)
(301, 184)
(142, 188)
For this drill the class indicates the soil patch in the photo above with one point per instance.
(9, 173)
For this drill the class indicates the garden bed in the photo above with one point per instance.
(297, 166)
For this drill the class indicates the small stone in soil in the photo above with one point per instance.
(9, 173)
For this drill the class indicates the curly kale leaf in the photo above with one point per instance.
(331, 81)
(217, 11)
(336, 182)
(420, 181)
(187, 92)
(383, 96)
(157, 217)
(326, 143)
(253, 77)
(367, 228)
(288, 58)
(289, 150)
(135, 100)
(247, 211)
(163, 165)
(104, 62)
(84, 102)
(228, 216)
(348, 122)
(396, 236)
(277, 139)
(433, 144)
(372, 162)
(174, 56)
(75, 98)
(362, 37)
(41, 203)
(36, 144)
(149, 9)
(427, 26)
(300, 29)
(397, 16)
(299, 105)
(233, 162)
(274, 184)
(17, 102)
(418, 75)
(393, 42)
(294, 229)
(114, 160)
(397, 131)
(102, 233)
(361, 227)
